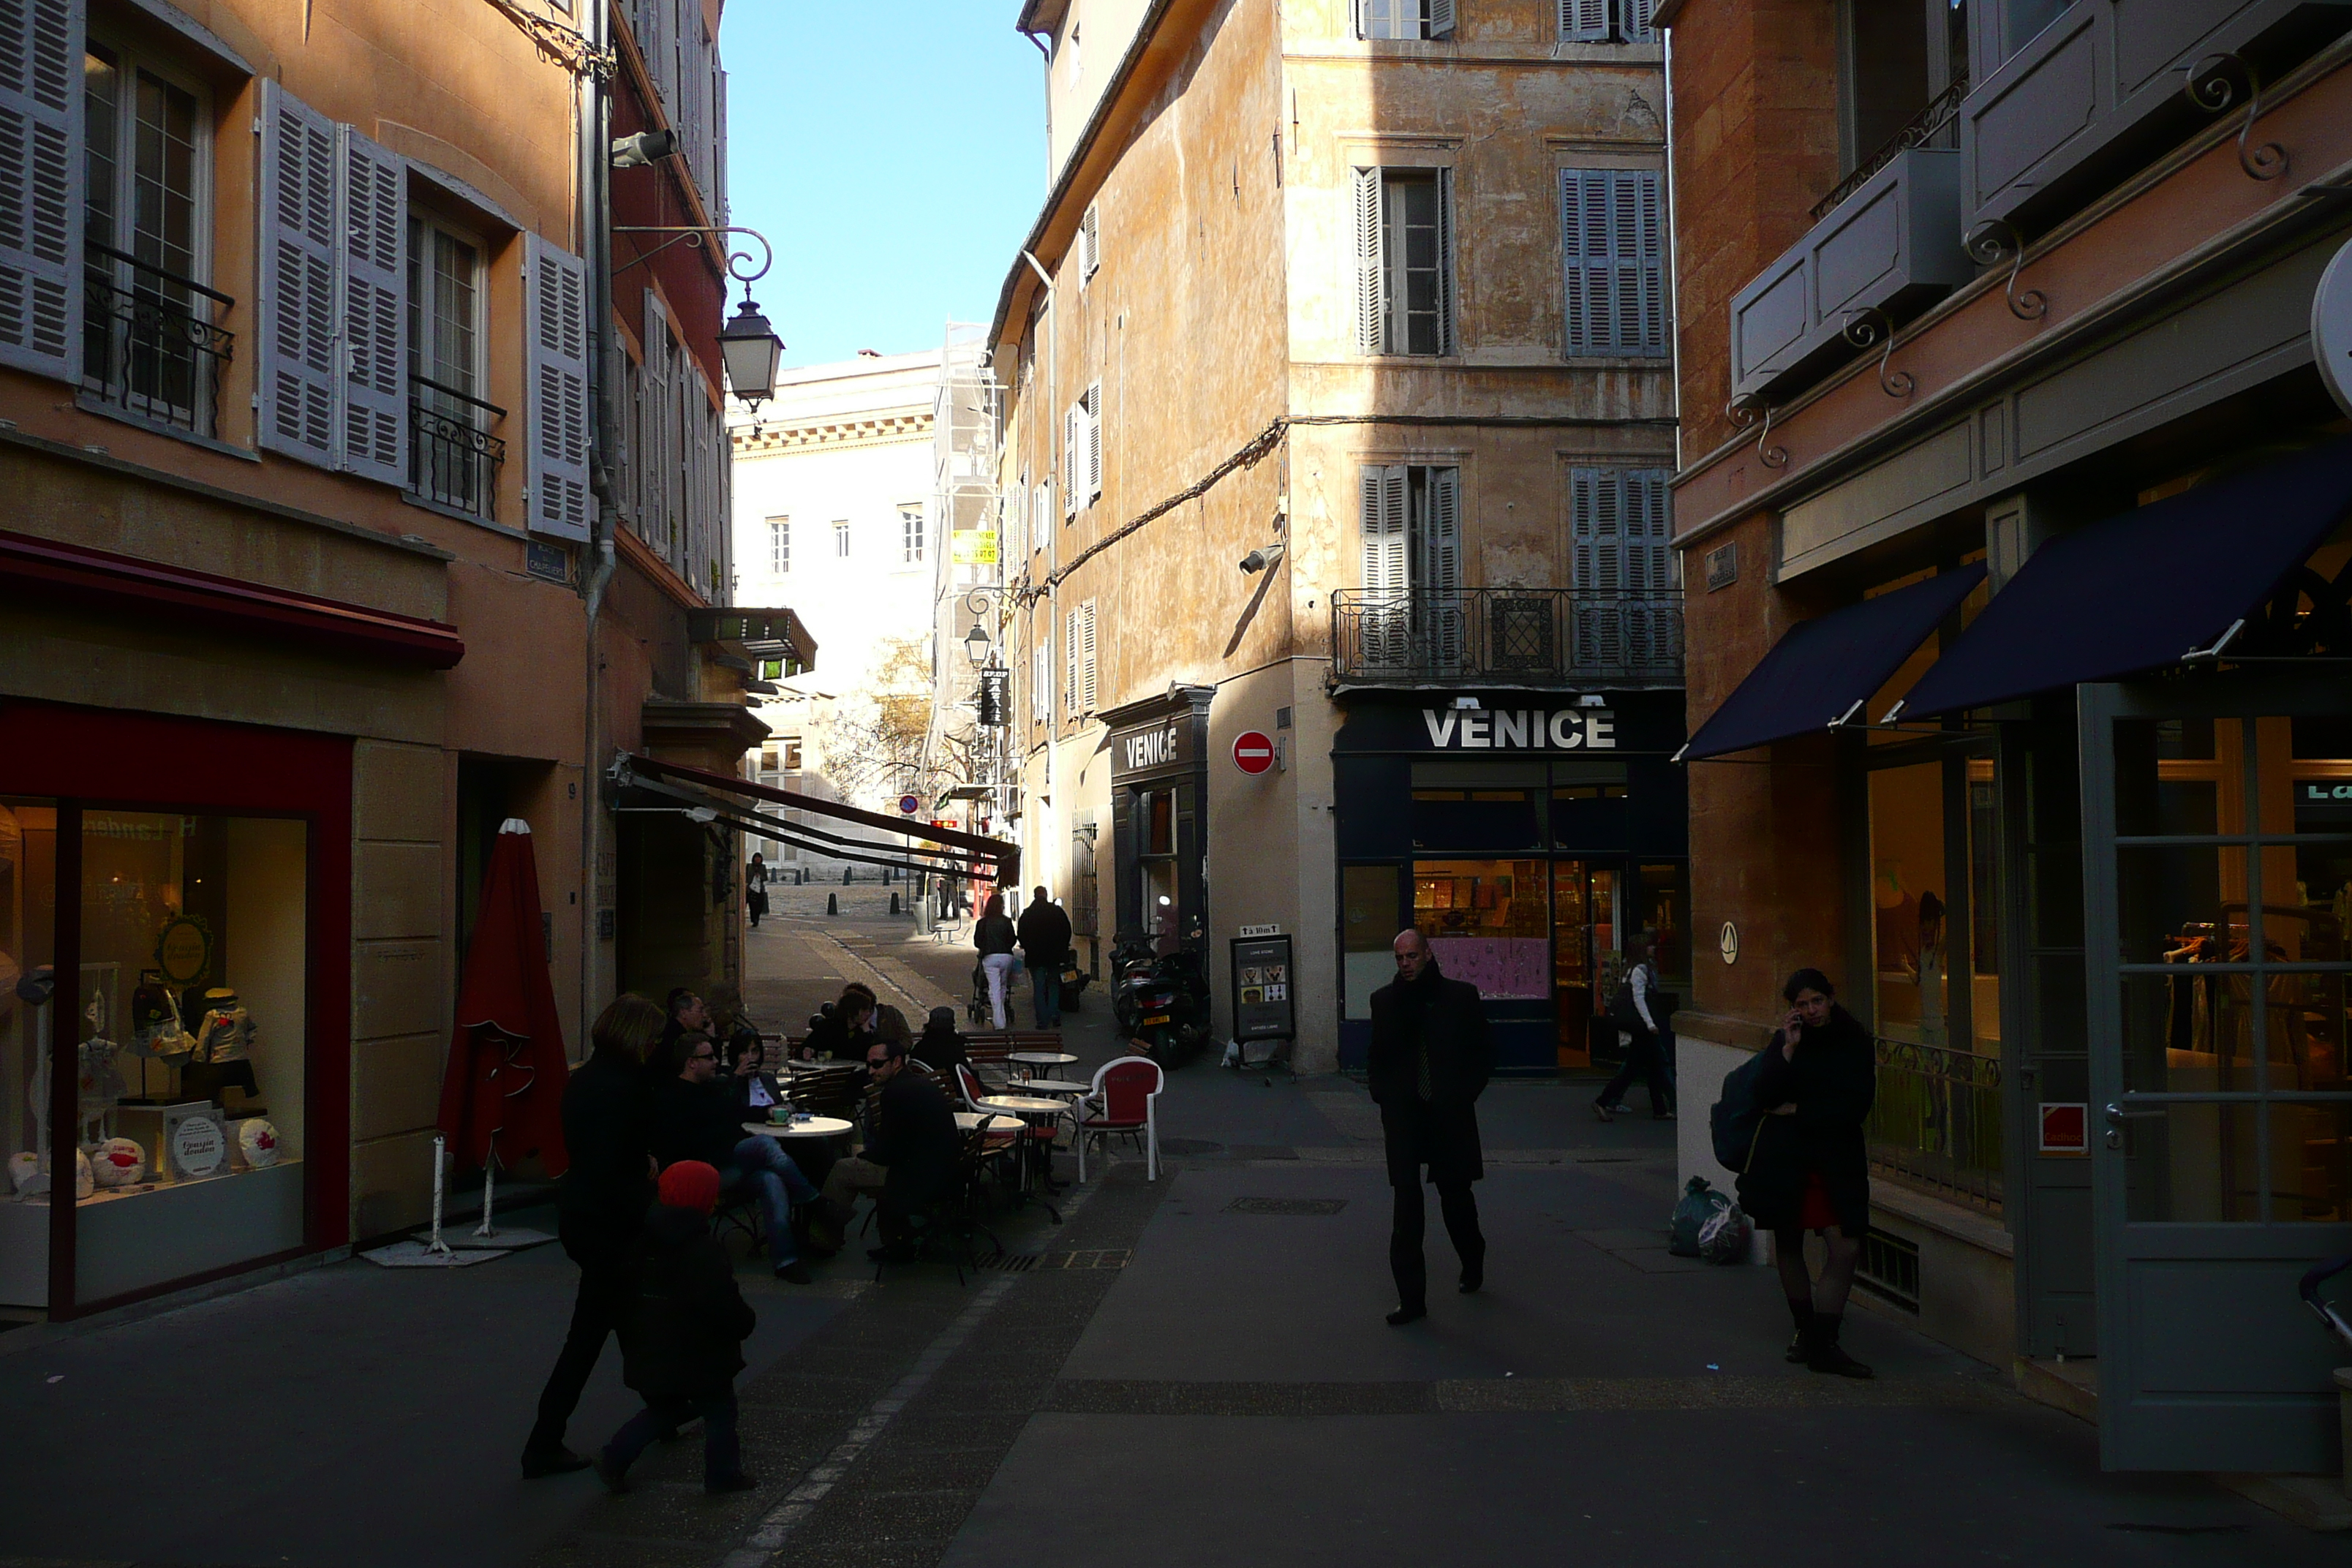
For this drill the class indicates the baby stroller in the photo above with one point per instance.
(977, 1010)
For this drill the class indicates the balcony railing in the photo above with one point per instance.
(1937, 125)
(1506, 637)
(1937, 1122)
(152, 345)
(453, 459)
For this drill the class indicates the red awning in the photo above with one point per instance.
(101, 577)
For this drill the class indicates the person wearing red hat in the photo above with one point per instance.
(682, 1340)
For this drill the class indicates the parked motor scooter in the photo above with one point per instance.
(1170, 996)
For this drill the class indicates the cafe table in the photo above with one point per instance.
(1039, 1168)
(1035, 1059)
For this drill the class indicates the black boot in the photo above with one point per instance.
(1827, 1356)
(1801, 1343)
(1409, 1312)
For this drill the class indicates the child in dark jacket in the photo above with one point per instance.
(682, 1334)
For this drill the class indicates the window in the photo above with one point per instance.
(1405, 261)
(841, 540)
(910, 536)
(780, 545)
(792, 753)
(1607, 21)
(453, 458)
(1410, 523)
(149, 345)
(1612, 246)
(1404, 18)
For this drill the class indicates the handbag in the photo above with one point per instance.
(1624, 1010)
(1736, 1122)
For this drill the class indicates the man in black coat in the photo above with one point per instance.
(1428, 1063)
(601, 1206)
(1044, 933)
(909, 1161)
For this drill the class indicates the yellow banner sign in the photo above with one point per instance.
(973, 547)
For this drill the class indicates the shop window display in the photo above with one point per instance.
(189, 1035)
(1487, 923)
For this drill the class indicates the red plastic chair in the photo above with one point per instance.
(1125, 1102)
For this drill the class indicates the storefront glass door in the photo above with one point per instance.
(29, 868)
(2218, 892)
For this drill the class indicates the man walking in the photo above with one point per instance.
(1045, 948)
(1428, 1063)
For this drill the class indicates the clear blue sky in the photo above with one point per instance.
(895, 152)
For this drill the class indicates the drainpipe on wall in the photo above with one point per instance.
(1053, 558)
(596, 249)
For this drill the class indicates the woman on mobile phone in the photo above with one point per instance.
(1811, 1169)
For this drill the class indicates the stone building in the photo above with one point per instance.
(1338, 415)
(365, 492)
(2010, 503)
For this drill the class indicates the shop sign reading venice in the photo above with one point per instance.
(1524, 729)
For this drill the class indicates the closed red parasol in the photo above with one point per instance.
(506, 1070)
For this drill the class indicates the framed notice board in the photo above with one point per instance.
(1264, 1008)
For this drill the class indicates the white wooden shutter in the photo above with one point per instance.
(374, 391)
(1071, 641)
(1637, 28)
(1384, 613)
(1092, 404)
(1445, 340)
(298, 299)
(1070, 416)
(1372, 272)
(1090, 241)
(1041, 672)
(41, 158)
(1044, 516)
(1086, 658)
(1441, 18)
(555, 324)
(1584, 21)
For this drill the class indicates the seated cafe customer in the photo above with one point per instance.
(911, 1144)
(695, 1117)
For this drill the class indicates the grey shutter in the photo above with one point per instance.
(1440, 587)
(1371, 275)
(1637, 29)
(718, 136)
(1650, 260)
(1637, 270)
(41, 171)
(1094, 441)
(1584, 21)
(375, 392)
(1653, 621)
(1596, 498)
(1441, 18)
(555, 364)
(299, 300)
(1445, 339)
(1584, 253)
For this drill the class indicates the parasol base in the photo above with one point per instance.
(503, 1240)
(419, 1255)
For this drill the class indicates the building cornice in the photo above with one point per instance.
(882, 430)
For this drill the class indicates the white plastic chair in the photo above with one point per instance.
(1121, 1104)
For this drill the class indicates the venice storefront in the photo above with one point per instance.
(1533, 837)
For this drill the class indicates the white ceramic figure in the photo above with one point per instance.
(256, 1140)
(118, 1163)
(26, 1175)
(85, 1179)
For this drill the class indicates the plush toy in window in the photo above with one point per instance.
(118, 1163)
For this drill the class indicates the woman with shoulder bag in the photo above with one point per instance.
(1635, 1010)
(1809, 1168)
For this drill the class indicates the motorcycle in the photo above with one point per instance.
(1162, 1002)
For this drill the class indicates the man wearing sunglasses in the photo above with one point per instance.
(697, 1117)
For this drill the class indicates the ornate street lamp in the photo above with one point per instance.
(751, 349)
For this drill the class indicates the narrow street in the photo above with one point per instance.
(1186, 1371)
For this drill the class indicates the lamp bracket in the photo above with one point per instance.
(691, 235)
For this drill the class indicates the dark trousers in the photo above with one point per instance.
(595, 1313)
(1645, 1058)
(1459, 1207)
(723, 1457)
(1045, 993)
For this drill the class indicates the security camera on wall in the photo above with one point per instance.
(637, 150)
(1257, 561)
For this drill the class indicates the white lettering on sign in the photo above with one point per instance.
(1149, 749)
(1520, 728)
(1260, 930)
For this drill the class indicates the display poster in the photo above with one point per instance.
(1263, 1007)
(1504, 966)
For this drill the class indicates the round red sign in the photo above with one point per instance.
(1253, 752)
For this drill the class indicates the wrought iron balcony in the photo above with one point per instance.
(1533, 638)
(453, 459)
(152, 342)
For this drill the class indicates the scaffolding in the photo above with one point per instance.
(967, 528)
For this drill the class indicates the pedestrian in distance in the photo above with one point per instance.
(755, 889)
(1808, 1169)
(1428, 1063)
(996, 935)
(601, 1204)
(1045, 932)
(697, 1117)
(1639, 1024)
(682, 1337)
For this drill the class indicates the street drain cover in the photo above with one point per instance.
(1287, 1205)
(1188, 1146)
(1026, 1262)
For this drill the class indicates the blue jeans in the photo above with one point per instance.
(760, 1164)
(723, 1457)
(1045, 988)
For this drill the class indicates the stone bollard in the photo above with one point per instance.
(893, 903)
(844, 876)
(833, 903)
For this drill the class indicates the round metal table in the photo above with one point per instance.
(814, 1127)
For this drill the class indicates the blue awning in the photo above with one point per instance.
(2144, 589)
(1821, 672)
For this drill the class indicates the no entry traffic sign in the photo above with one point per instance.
(1253, 752)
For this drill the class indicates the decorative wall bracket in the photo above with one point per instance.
(2216, 90)
(692, 237)
(1987, 245)
(1744, 413)
(1869, 327)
